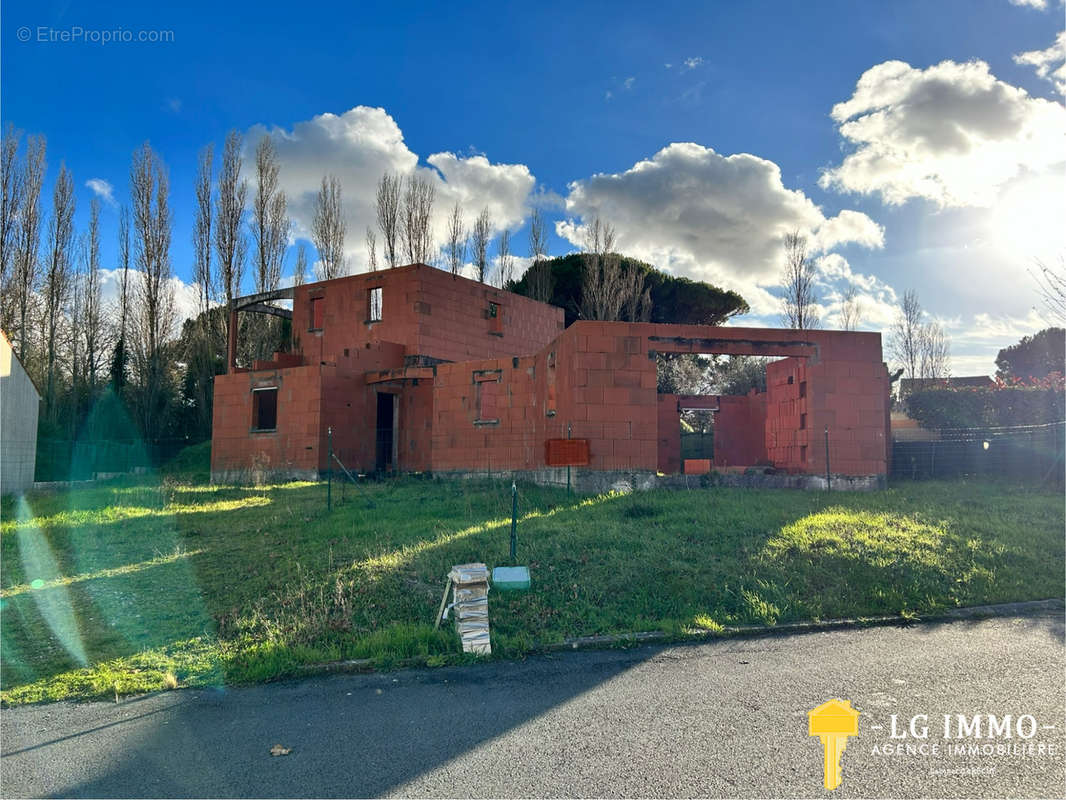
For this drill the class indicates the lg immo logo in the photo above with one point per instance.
(942, 737)
(833, 722)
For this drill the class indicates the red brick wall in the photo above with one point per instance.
(295, 443)
(428, 311)
(310, 400)
(740, 431)
(600, 378)
(669, 433)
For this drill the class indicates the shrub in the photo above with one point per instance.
(1002, 405)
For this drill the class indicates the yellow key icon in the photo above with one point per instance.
(833, 722)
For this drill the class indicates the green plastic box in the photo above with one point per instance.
(510, 579)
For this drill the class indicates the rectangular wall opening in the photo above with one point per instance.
(265, 409)
(386, 432)
(373, 304)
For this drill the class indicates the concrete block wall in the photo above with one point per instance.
(427, 311)
(598, 378)
(239, 453)
(463, 441)
(740, 430)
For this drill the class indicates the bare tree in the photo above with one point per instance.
(905, 342)
(300, 271)
(935, 359)
(92, 318)
(850, 309)
(505, 258)
(150, 196)
(371, 250)
(73, 314)
(328, 229)
(388, 217)
(230, 243)
(1051, 284)
(57, 279)
(201, 237)
(28, 238)
(636, 295)
(10, 210)
(539, 278)
(120, 355)
(601, 274)
(456, 244)
(800, 302)
(479, 244)
(270, 218)
(416, 213)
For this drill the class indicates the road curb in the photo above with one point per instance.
(1027, 608)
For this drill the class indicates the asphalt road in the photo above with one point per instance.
(725, 719)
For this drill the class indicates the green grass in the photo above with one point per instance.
(131, 587)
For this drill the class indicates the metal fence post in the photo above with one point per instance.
(568, 429)
(514, 522)
(329, 477)
(828, 480)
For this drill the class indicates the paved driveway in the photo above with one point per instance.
(726, 718)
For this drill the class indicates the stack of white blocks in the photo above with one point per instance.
(470, 603)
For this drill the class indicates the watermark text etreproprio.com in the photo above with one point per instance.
(76, 34)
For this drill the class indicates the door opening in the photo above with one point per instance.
(386, 430)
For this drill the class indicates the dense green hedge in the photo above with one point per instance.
(1000, 406)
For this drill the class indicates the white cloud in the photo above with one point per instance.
(1044, 62)
(628, 83)
(360, 145)
(1037, 4)
(694, 212)
(692, 63)
(877, 301)
(953, 134)
(102, 189)
(186, 295)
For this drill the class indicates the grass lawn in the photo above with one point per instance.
(131, 587)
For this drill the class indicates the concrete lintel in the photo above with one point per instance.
(263, 308)
(748, 347)
(242, 303)
(402, 374)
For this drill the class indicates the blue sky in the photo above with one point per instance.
(727, 108)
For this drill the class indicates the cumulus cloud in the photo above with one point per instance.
(691, 63)
(698, 213)
(186, 295)
(1050, 64)
(363, 143)
(877, 301)
(102, 189)
(1037, 4)
(953, 134)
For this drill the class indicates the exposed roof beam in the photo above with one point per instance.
(263, 308)
(242, 303)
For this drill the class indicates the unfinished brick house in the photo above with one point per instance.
(415, 370)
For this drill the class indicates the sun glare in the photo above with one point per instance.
(1028, 221)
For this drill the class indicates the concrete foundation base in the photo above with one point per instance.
(261, 476)
(588, 481)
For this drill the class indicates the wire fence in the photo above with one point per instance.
(79, 460)
(1025, 453)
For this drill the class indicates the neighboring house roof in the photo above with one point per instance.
(953, 383)
(18, 360)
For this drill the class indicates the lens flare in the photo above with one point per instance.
(54, 603)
